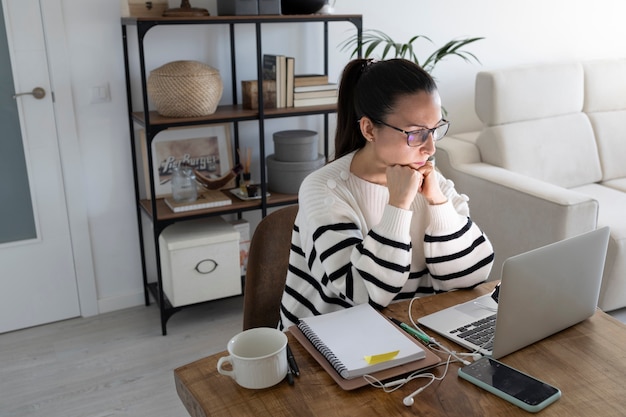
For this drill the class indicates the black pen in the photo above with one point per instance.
(289, 376)
(292, 362)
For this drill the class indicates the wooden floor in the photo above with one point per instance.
(115, 364)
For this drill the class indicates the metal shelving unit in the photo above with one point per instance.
(153, 123)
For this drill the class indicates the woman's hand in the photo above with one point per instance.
(403, 183)
(429, 186)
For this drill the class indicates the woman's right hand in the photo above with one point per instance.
(403, 183)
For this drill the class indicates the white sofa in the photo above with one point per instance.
(549, 161)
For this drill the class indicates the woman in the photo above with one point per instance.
(379, 223)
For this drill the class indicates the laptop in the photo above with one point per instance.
(541, 292)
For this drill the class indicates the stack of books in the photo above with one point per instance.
(289, 89)
(313, 90)
(283, 88)
(279, 70)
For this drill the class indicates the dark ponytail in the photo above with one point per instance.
(348, 136)
(371, 88)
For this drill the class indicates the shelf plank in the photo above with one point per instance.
(164, 213)
(228, 113)
(134, 20)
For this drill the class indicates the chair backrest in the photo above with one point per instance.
(268, 260)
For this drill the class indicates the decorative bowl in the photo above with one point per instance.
(185, 89)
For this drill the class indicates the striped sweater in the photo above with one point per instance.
(349, 246)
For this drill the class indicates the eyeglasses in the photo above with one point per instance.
(419, 137)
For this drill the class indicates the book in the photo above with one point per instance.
(269, 67)
(206, 199)
(272, 71)
(314, 94)
(291, 62)
(315, 101)
(358, 341)
(309, 79)
(281, 81)
(315, 87)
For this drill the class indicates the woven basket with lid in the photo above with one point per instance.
(185, 89)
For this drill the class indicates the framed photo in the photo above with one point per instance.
(208, 149)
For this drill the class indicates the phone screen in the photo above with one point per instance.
(510, 381)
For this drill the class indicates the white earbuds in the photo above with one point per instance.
(408, 400)
(449, 352)
(395, 383)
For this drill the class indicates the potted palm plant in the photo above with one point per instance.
(373, 40)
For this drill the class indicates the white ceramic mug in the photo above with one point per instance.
(257, 357)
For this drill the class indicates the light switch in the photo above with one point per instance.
(100, 93)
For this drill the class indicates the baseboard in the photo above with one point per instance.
(619, 314)
(106, 305)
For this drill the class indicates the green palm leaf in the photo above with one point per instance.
(373, 40)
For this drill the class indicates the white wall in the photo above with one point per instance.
(515, 32)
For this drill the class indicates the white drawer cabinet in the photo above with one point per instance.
(200, 261)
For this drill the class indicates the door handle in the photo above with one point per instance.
(37, 92)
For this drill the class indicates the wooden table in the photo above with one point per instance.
(587, 362)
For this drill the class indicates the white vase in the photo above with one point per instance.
(327, 8)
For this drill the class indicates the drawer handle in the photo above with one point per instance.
(206, 266)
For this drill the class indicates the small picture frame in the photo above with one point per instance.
(207, 149)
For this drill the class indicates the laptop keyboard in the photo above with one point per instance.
(479, 332)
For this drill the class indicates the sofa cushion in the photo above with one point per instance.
(529, 92)
(617, 184)
(560, 150)
(610, 131)
(605, 85)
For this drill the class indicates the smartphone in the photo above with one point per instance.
(508, 383)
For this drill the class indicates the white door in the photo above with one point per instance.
(37, 277)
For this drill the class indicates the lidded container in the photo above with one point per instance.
(200, 261)
(295, 145)
(286, 177)
(185, 89)
(295, 156)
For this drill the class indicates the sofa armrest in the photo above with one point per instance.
(459, 149)
(518, 213)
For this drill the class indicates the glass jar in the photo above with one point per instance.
(184, 188)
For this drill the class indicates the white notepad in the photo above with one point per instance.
(349, 338)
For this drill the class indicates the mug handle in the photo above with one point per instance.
(224, 360)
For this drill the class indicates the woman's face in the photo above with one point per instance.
(412, 112)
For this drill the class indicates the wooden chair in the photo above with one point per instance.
(268, 260)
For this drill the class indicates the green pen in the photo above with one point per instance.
(422, 337)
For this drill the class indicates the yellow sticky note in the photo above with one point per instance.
(382, 357)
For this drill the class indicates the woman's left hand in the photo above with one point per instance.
(429, 187)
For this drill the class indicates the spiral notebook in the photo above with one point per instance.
(359, 341)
